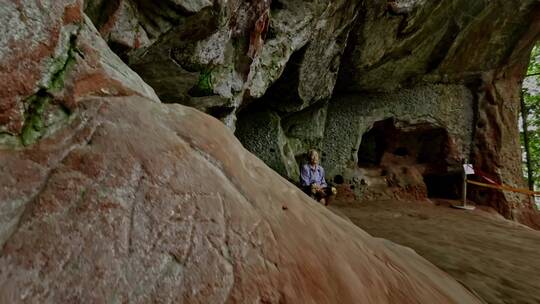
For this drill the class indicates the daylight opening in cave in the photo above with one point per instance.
(422, 147)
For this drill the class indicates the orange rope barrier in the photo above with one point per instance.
(504, 187)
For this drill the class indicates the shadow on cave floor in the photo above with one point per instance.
(498, 259)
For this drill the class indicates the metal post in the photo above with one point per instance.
(464, 189)
(464, 206)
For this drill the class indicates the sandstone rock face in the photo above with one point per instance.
(341, 130)
(296, 57)
(40, 49)
(458, 51)
(125, 199)
(135, 202)
(456, 54)
(29, 40)
(351, 116)
(231, 51)
(265, 137)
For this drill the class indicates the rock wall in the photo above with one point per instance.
(38, 50)
(292, 57)
(351, 116)
(128, 200)
(263, 134)
(219, 56)
(394, 52)
(459, 50)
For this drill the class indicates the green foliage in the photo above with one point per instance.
(534, 63)
(205, 81)
(532, 107)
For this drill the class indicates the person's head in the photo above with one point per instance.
(313, 157)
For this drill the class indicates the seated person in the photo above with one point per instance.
(312, 179)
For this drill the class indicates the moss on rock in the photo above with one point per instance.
(38, 105)
(33, 126)
(204, 85)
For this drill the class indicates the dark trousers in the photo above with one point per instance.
(326, 191)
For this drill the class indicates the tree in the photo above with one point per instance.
(530, 114)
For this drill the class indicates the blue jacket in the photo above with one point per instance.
(309, 176)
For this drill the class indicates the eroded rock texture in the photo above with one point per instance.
(134, 201)
(219, 56)
(292, 62)
(454, 65)
(41, 42)
(482, 45)
(120, 198)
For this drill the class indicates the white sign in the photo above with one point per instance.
(468, 169)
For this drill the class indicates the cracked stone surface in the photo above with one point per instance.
(30, 41)
(42, 50)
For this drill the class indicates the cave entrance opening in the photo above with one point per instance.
(422, 148)
(447, 186)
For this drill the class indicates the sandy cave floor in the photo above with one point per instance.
(499, 260)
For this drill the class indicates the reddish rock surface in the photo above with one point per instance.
(129, 200)
(137, 201)
(39, 43)
(29, 39)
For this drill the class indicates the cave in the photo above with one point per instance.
(424, 147)
(447, 186)
(373, 144)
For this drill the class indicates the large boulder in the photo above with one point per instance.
(126, 199)
(140, 202)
